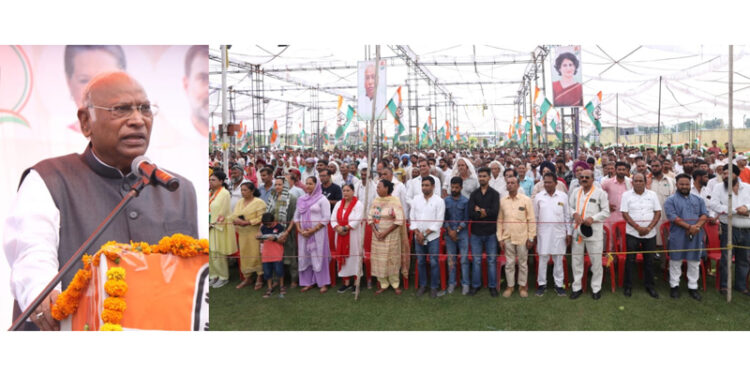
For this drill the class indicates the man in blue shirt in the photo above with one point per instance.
(457, 237)
(526, 183)
(687, 213)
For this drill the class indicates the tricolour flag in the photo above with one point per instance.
(554, 125)
(594, 110)
(396, 111)
(344, 122)
(275, 133)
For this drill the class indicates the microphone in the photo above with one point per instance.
(143, 166)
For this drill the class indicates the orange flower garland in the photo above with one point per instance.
(115, 286)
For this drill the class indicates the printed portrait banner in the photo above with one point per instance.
(567, 84)
(165, 292)
(366, 91)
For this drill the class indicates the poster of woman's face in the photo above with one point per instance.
(567, 88)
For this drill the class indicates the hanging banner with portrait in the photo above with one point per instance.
(567, 83)
(366, 91)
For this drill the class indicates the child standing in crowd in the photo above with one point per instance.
(272, 252)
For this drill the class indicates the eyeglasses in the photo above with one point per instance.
(584, 178)
(124, 110)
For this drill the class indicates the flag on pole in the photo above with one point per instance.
(326, 138)
(526, 130)
(544, 107)
(554, 125)
(343, 122)
(213, 134)
(275, 133)
(594, 110)
(519, 129)
(396, 111)
(448, 131)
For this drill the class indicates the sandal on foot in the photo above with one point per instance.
(305, 289)
(283, 290)
(381, 290)
(268, 293)
(323, 290)
(244, 283)
(258, 285)
(398, 291)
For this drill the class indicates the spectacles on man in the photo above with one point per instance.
(584, 178)
(124, 110)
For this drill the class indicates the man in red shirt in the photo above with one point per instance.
(744, 171)
(714, 149)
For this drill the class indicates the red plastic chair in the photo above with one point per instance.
(713, 250)
(334, 255)
(620, 242)
(605, 262)
(664, 229)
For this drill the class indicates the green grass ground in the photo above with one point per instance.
(245, 309)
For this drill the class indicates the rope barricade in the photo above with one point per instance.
(469, 222)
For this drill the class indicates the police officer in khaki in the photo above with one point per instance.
(590, 208)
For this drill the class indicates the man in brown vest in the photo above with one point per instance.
(62, 200)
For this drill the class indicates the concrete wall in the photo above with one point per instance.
(741, 138)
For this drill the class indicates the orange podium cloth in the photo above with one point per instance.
(165, 292)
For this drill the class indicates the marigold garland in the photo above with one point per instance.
(115, 286)
(111, 327)
(115, 304)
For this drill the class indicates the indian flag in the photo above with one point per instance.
(594, 110)
(519, 129)
(275, 133)
(395, 110)
(554, 125)
(448, 131)
(344, 122)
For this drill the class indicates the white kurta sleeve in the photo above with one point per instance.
(355, 217)
(32, 236)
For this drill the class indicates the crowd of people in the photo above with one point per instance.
(297, 214)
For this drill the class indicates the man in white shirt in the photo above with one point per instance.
(497, 180)
(426, 219)
(61, 201)
(553, 233)
(310, 170)
(414, 186)
(641, 210)
(236, 181)
(699, 188)
(399, 190)
(719, 203)
(663, 185)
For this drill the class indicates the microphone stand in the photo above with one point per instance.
(134, 191)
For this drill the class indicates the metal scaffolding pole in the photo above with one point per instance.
(224, 110)
(369, 170)
(730, 151)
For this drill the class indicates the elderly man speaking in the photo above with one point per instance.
(62, 200)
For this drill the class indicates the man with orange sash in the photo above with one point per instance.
(590, 208)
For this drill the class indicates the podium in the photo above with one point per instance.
(159, 290)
